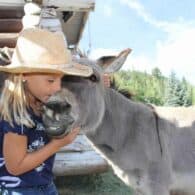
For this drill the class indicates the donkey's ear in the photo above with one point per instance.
(111, 64)
(5, 55)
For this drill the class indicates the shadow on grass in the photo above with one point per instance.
(96, 184)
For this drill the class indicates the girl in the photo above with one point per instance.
(39, 61)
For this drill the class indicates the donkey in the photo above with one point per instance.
(146, 151)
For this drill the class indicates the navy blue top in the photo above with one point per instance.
(37, 138)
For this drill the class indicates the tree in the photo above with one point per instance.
(155, 88)
(186, 93)
(171, 98)
(177, 92)
(156, 73)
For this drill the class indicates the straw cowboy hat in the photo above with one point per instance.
(41, 51)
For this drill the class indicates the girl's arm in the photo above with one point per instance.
(19, 161)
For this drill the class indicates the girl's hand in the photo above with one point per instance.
(60, 142)
(106, 78)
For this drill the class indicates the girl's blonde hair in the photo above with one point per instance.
(13, 102)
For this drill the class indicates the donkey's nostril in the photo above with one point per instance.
(65, 106)
(52, 105)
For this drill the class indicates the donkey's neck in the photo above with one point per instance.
(123, 123)
(111, 130)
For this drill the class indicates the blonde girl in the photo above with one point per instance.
(27, 154)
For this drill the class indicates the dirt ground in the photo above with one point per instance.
(97, 184)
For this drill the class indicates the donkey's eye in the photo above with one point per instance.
(93, 78)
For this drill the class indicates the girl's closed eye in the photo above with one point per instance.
(51, 80)
(54, 78)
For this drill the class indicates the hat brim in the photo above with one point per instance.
(69, 69)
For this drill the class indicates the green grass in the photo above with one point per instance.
(96, 184)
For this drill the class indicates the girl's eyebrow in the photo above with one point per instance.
(55, 75)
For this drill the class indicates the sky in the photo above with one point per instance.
(161, 33)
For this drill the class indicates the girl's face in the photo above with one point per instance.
(42, 86)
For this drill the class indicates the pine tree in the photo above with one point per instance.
(172, 90)
(186, 93)
(177, 93)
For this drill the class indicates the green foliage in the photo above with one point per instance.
(155, 88)
(193, 95)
